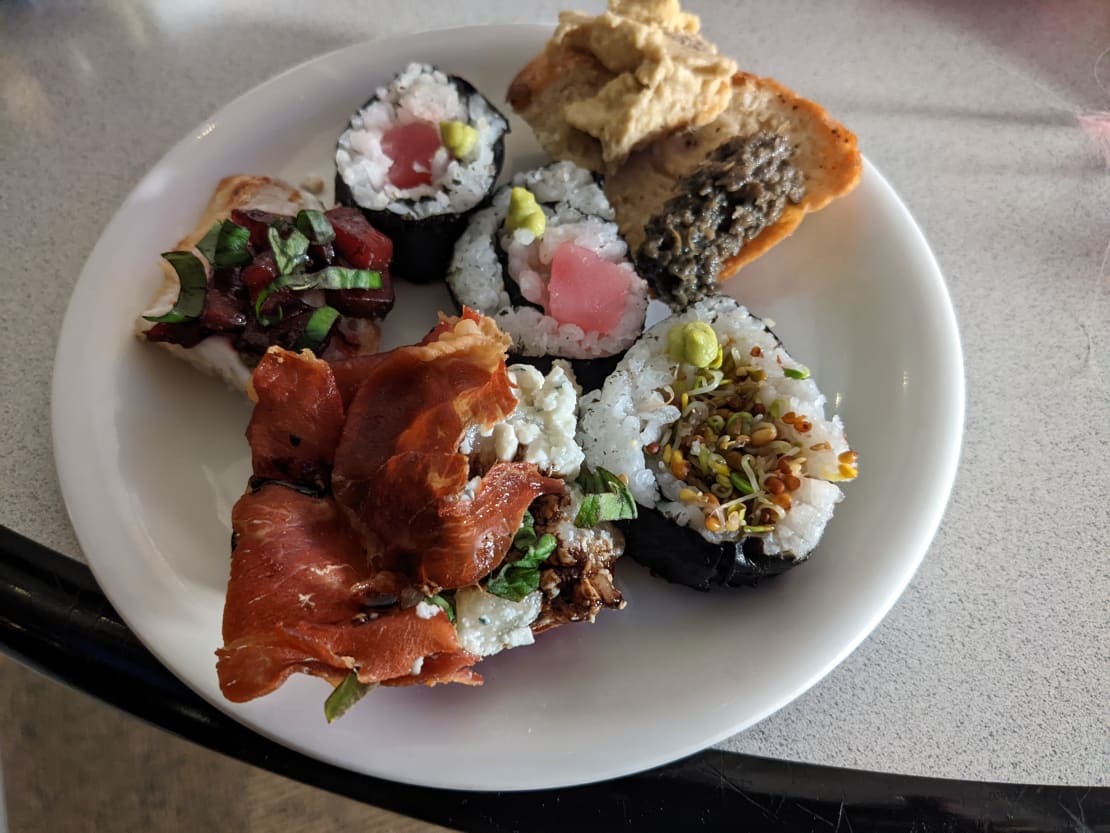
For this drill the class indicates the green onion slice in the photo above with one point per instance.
(796, 372)
(606, 499)
(190, 298)
(317, 329)
(314, 225)
(345, 695)
(226, 244)
(290, 253)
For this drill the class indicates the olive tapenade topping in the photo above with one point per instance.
(740, 189)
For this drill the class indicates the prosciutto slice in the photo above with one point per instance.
(296, 602)
(297, 419)
(398, 472)
(360, 498)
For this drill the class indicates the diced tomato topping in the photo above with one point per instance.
(258, 223)
(411, 147)
(259, 273)
(587, 290)
(362, 245)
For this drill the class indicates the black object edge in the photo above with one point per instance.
(54, 618)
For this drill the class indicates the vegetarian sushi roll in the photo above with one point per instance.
(417, 158)
(547, 262)
(722, 436)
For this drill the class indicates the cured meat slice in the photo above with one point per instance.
(443, 668)
(296, 602)
(398, 472)
(295, 427)
(362, 499)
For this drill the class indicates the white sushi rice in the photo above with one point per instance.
(420, 93)
(577, 211)
(632, 410)
(540, 429)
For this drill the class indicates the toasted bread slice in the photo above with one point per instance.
(216, 355)
(825, 150)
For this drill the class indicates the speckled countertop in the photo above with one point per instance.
(995, 664)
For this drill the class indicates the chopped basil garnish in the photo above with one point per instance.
(796, 373)
(289, 253)
(341, 277)
(190, 298)
(517, 579)
(315, 226)
(439, 601)
(225, 245)
(317, 329)
(607, 499)
(346, 694)
(334, 277)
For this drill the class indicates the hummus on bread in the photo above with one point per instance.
(649, 73)
(578, 97)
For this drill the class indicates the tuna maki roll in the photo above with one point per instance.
(722, 436)
(417, 158)
(545, 260)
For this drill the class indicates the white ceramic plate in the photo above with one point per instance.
(151, 457)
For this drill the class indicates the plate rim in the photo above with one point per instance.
(69, 479)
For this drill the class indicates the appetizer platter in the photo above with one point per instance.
(467, 431)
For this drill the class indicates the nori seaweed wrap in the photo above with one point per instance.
(417, 159)
(723, 439)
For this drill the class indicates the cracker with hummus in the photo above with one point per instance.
(706, 166)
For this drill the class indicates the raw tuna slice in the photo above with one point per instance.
(411, 147)
(587, 290)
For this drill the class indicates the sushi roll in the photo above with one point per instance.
(723, 439)
(417, 159)
(545, 260)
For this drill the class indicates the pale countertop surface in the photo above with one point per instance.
(995, 663)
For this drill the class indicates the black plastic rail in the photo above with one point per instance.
(54, 618)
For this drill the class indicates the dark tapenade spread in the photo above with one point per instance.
(740, 189)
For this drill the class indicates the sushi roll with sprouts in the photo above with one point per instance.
(722, 436)
(546, 261)
(417, 159)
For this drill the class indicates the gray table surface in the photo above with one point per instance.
(995, 664)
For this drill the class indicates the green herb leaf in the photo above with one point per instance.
(334, 277)
(345, 695)
(314, 225)
(526, 535)
(796, 372)
(341, 277)
(225, 245)
(190, 298)
(290, 253)
(439, 601)
(516, 579)
(606, 499)
(317, 329)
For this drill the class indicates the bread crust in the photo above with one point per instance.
(238, 191)
(824, 149)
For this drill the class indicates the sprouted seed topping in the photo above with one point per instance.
(729, 449)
